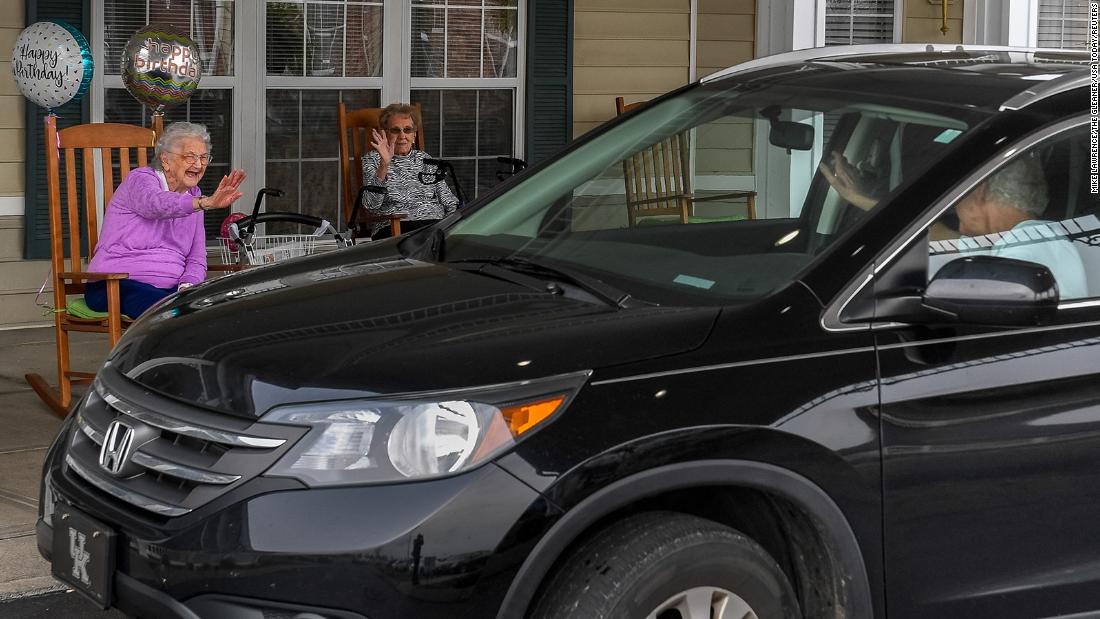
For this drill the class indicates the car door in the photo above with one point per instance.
(991, 434)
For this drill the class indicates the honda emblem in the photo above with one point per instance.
(116, 447)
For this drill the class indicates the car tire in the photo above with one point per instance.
(667, 565)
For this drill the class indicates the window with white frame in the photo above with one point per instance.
(1063, 23)
(460, 59)
(855, 22)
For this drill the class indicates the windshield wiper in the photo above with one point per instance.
(595, 287)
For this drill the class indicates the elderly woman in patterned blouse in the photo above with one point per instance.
(395, 165)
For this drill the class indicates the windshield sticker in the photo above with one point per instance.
(698, 282)
(947, 136)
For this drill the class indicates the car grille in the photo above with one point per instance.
(181, 457)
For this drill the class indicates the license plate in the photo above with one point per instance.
(83, 553)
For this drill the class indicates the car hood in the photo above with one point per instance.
(342, 325)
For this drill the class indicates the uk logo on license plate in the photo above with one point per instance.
(83, 553)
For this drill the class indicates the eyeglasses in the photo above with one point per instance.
(193, 158)
(400, 130)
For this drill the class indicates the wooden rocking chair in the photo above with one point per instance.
(659, 179)
(75, 217)
(355, 127)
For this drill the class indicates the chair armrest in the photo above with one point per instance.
(86, 276)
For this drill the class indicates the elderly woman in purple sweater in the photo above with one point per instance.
(153, 226)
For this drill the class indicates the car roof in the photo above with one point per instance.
(1022, 76)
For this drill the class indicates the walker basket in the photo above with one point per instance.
(266, 249)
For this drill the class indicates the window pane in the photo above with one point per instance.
(500, 44)
(282, 175)
(210, 107)
(495, 122)
(321, 190)
(850, 22)
(364, 41)
(120, 107)
(319, 136)
(430, 118)
(355, 99)
(324, 39)
(212, 30)
(464, 39)
(303, 151)
(463, 43)
(872, 29)
(428, 34)
(209, 23)
(282, 124)
(1059, 233)
(284, 38)
(459, 124)
(466, 171)
(469, 128)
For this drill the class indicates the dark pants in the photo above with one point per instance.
(407, 225)
(136, 297)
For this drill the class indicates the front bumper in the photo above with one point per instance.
(446, 547)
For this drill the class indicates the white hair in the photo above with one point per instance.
(176, 132)
(1022, 185)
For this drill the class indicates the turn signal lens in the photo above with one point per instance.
(523, 417)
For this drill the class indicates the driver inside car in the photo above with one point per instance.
(1002, 216)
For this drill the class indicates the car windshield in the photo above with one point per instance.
(718, 194)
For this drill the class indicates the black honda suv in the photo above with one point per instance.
(816, 337)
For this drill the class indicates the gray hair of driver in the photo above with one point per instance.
(176, 132)
(1021, 185)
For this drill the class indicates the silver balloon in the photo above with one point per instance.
(161, 66)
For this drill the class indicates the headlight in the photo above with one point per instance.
(417, 436)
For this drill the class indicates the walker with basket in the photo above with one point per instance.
(242, 247)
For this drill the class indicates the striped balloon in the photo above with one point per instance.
(161, 66)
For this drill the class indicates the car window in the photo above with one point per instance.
(1036, 207)
(714, 196)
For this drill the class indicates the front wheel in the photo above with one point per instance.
(666, 565)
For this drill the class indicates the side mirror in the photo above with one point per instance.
(791, 135)
(994, 291)
(984, 290)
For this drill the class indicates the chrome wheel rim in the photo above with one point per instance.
(704, 603)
